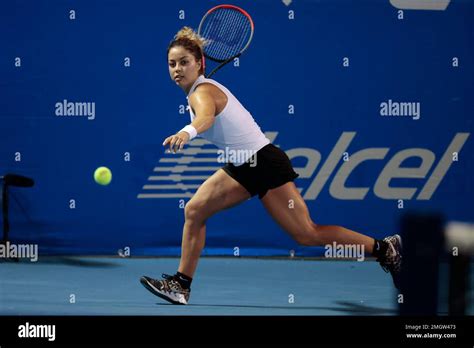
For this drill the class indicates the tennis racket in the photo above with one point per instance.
(228, 30)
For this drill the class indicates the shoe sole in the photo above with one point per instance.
(154, 291)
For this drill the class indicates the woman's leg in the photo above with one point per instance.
(217, 193)
(289, 210)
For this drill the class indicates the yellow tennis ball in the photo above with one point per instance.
(103, 176)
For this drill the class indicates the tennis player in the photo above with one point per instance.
(218, 116)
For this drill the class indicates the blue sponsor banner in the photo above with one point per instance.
(371, 100)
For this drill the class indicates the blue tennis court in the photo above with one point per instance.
(223, 286)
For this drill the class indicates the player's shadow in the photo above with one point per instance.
(343, 307)
(77, 262)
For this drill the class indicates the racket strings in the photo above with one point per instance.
(227, 32)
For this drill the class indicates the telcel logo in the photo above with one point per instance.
(392, 169)
(189, 169)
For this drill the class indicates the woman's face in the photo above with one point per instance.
(183, 67)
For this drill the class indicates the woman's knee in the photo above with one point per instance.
(195, 211)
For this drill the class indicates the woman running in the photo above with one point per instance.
(266, 171)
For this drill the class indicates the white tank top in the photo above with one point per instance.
(234, 131)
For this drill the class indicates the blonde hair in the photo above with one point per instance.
(191, 41)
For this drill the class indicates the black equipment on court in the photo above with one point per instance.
(429, 243)
(458, 284)
(422, 237)
(11, 180)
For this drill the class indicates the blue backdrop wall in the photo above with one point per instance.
(372, 101)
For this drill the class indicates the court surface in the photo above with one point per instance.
(222, 286)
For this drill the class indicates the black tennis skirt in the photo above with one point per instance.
(269, 168)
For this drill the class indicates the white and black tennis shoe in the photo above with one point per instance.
(168, 289)
(392, 260)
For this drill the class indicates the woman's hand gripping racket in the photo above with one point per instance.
(228, 31)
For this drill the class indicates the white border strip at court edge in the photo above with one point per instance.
(432, 5)
(461, 236)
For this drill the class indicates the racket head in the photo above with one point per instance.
(228, 31)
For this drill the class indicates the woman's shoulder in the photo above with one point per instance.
(217, 94)
(206, 86)
(209, 87)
